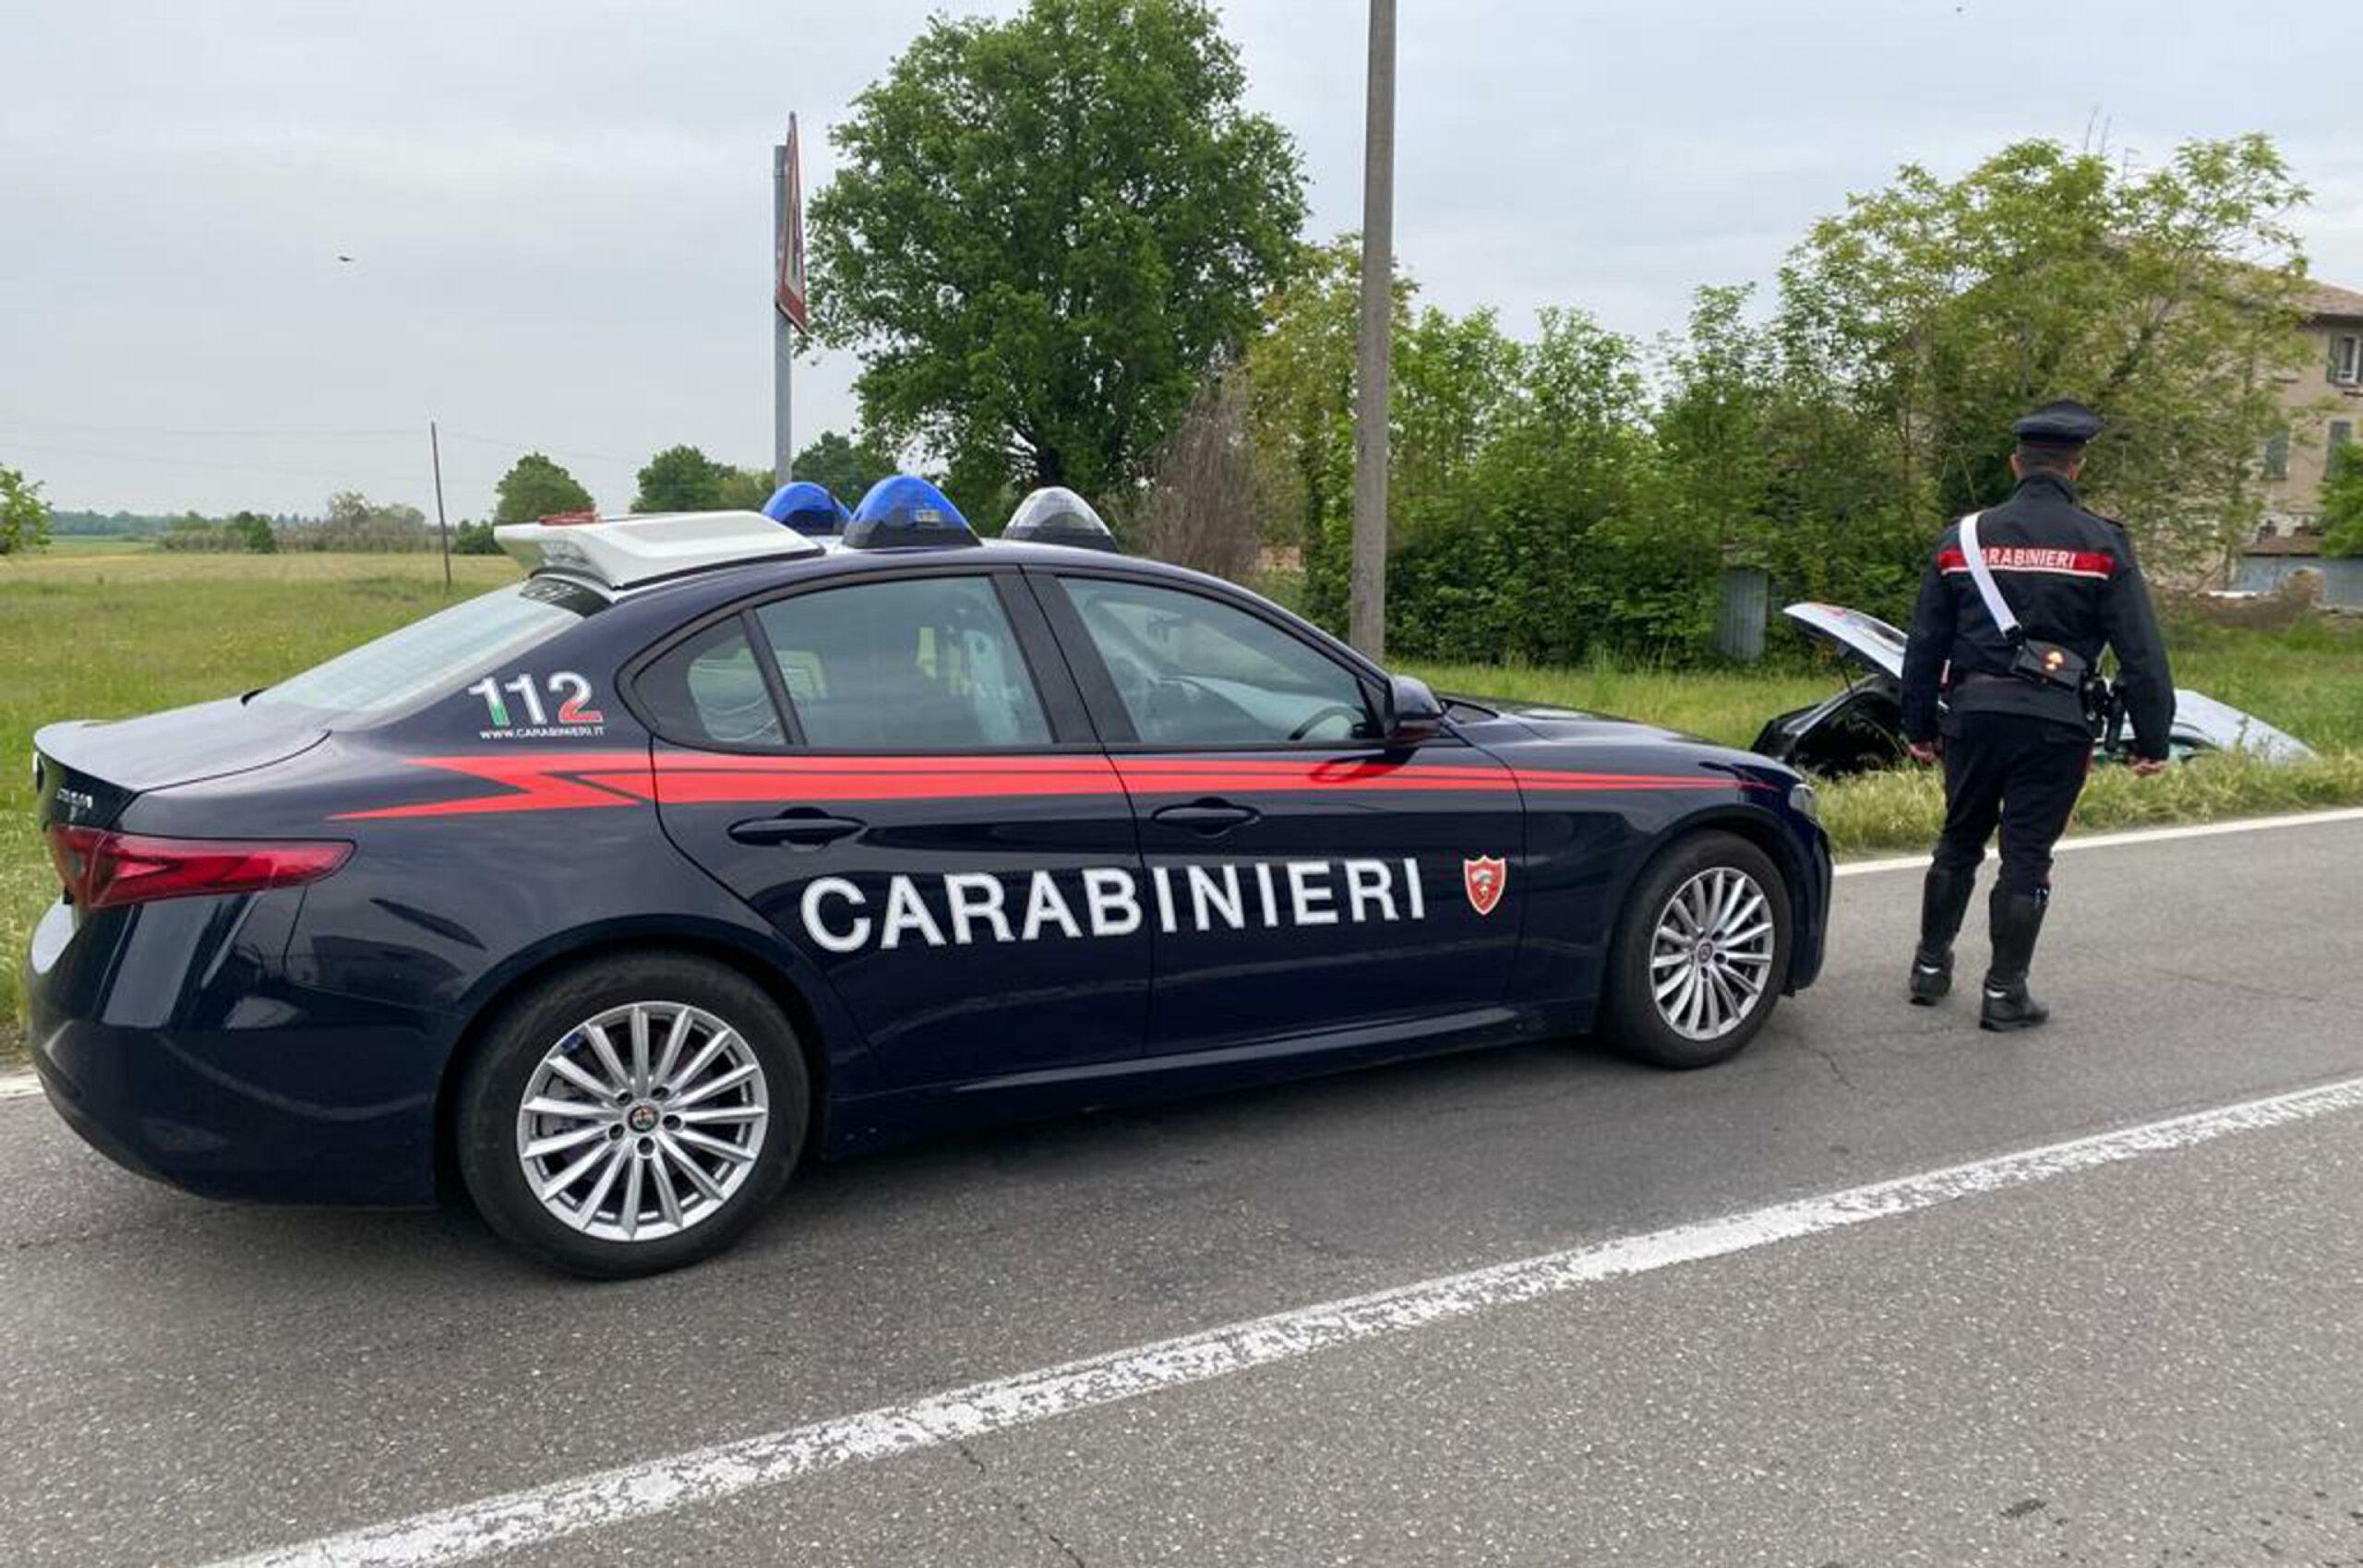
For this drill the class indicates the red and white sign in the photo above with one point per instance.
(790, 295)
(1484, 878)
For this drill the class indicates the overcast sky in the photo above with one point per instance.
(558, 213)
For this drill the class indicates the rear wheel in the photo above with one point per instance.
(1699, 958)
(632, 1115)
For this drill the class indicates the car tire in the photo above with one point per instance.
(1680, 997)
(700, 1119)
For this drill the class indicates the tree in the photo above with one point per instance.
(679, 479)
(537, 487)
(356, 523)
(1205, 506)
(1930, 315)
(254, 532)
(2343, 502)
(847, 468)
(24, 516)
(475, 539)
(1044, 230)
(1523, 514)
(742, 489)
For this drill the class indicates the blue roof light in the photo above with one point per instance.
(906, 512)
(806, 508)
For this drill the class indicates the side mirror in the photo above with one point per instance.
(1412, 710)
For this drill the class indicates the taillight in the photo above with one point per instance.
(101, 869)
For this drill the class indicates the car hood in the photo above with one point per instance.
(1858, 639)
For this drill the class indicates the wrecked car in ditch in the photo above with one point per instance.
(1860, 728)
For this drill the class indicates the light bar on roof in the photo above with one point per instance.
(624, 551)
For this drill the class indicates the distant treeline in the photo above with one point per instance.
(143, 525)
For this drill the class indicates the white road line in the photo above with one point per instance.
(19, 1085)
(710, 1475)
(2137, 835)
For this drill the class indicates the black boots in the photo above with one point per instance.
(2017, 922)
(1944, 899)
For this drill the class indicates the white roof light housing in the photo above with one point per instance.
(625, 551)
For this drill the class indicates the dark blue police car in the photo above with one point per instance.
(614, 893)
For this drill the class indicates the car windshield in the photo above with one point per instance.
(438, 654)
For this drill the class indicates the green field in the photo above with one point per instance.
(104, 632)
(99, 545)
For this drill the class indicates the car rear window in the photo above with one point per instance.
(439, 653)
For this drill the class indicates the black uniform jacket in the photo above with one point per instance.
(2070, 577)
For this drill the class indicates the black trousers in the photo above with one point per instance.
(2024, 773)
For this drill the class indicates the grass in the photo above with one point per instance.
(101, 544)
(95, 630)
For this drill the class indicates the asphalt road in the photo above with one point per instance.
(2152, 1361)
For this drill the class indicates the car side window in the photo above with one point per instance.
(1193, 671)
(710, 690)
(927, 661)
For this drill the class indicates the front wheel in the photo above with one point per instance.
(1700, 953)
(632, 1115)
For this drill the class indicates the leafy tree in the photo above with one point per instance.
(742, 489)
(847, 467)
(537, 487)
(2343, 502)
(253, 533)
(679, 479)
(24, 516)
(1930, 315)
(1301, 401)
(475, 539)
(1523, 514)
(1044, 230)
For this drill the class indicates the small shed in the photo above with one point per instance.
(2266, 564)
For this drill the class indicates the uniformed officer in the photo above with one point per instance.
(2012, 657)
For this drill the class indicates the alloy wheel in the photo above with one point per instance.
(1711, 956)
(642, 1120)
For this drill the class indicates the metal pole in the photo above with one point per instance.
(442, 528)
(783, 335)
(1366, 587)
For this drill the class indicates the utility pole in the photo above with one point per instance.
(442, 528)
(1366, 585)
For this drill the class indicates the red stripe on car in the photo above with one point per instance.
(583, 779)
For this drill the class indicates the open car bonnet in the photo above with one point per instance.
(1865, 639)
(2202, 722)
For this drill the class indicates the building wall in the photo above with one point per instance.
(2296, 502)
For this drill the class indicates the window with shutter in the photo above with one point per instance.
(2276, 456)
(2346, 359)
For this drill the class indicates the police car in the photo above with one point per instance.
(612, 895)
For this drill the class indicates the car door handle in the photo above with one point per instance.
(1208, 815)
(803, 827)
